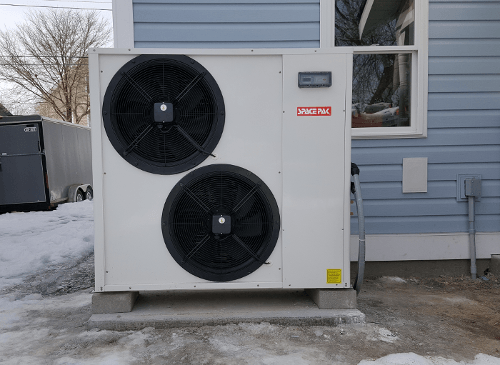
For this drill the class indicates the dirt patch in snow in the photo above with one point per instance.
(446, 316)
(60, 279)
(43, 321)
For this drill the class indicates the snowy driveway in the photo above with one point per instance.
(45, 281)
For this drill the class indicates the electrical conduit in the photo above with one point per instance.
(472, 238)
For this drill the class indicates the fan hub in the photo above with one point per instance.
(221, 224)
(164, 112)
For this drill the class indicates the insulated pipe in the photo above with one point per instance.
(361, 224)
(472, 238)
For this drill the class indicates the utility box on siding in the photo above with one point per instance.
(43, 162)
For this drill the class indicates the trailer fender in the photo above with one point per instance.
(73, 189)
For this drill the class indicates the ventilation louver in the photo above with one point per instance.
(163, 113)
(220, 222)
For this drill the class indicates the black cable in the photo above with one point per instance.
(81, 1)
(42, 56)
(51, 7)
(41, 64)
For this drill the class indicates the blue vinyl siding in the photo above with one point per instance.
(458, 66)
(463, 131)
(226, 24)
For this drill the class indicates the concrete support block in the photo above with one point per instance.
(113, 302)
(333, 298)
(495, 264)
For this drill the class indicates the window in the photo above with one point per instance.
(381, 90)
(389, 40)
(374, 23)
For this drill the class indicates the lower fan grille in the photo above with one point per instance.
(220, 222)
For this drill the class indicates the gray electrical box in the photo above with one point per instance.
(315, 79)
(473, 187)
(461, 187)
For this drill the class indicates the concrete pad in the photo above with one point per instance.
(113, 302)
(170, 309)
(333, 298)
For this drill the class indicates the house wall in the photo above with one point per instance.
(463, 131)
(463, 113)
(226, 23)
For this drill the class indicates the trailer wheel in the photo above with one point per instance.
(79, 195)
(89, 195)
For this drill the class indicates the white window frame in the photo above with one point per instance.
(123, 23)
(420, 74)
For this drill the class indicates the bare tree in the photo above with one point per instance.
(347, 18)
(47, 57)
(17, 100)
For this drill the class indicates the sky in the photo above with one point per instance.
(12, 11)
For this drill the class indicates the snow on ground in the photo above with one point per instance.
(413, 359)
(36, 329)
(32, 241)
(392, 279)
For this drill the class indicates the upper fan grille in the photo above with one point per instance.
(163, 147)
(213, 191)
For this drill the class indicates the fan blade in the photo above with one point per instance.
(132, 122)
(130, 126)
(137, 86)
(131, 104)
(189, 225)
(157, 86)
(193, 196)
(250, 226)
(245, 246)
(137, 140)
(192, 141)
(167, 146)
(188, 87)
(125, 114)
(189, 105)
(248, 206)
(196, 248)
(189, 234)
(245, 198)
(222, 257)
(196, 124)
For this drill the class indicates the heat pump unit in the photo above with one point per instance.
(221, 169)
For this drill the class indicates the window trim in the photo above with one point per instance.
(420, 74)
(123, 23)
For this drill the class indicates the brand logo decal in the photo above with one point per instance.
(163, 107)
(314, 111)
(30, 129)
(222, 220)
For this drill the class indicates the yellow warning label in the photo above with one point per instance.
(333, 276)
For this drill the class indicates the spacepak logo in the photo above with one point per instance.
(314, 111)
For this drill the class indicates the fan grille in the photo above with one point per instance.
(218, 190)
(164, 148)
